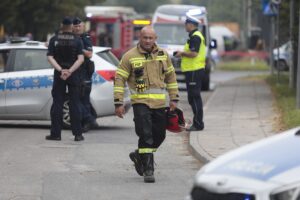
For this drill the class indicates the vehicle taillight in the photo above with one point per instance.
(108, 75)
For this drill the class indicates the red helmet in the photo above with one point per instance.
(175, 120)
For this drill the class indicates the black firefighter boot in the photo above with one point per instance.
(147, 160)
(136, 158)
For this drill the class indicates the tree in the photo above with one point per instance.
(38, 17)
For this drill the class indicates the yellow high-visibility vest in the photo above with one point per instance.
(198, 62)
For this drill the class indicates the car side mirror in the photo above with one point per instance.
(213, 44)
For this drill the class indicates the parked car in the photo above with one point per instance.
(26, 80)
(265, 170)
(283, 60)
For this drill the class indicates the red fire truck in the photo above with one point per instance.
(111, 26)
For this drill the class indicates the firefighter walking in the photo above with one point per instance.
(149, 73)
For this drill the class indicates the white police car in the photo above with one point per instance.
(26, 80)
(265, 170)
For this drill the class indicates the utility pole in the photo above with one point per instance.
(292, 67)
(249, 17)
(272, 44)
(277, 42)
(244, 33)
(298, 71)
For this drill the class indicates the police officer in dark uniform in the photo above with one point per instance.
(193, 65)
(65, 55)
(86, 73)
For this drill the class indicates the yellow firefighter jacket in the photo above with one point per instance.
(158, 75)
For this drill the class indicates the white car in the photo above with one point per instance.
(284, 58)
(265, 170)
(26, 80)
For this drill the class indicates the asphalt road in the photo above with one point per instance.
(32, 168)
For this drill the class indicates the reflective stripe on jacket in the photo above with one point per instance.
(198, 62)
(158, 75)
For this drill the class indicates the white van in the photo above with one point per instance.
(168, 22)
(265, 170)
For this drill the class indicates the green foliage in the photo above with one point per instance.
(285, 101)
(243, 65)
(38, 16)
(284, 20)
(43, 16)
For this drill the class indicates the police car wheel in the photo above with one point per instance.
(66, 115)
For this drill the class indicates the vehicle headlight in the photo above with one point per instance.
(285, 195)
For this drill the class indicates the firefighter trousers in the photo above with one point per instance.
(150, 127)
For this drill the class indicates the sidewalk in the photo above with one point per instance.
(237, 113)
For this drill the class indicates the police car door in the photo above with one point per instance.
(4, 58)
(29, 83)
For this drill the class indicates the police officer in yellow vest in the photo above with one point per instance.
(193, 64)
(149, 73)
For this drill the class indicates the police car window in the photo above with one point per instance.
(3, 59)
(109, 57)
(31, 59)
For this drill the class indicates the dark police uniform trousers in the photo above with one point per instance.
(59, 97)
(193, 84)
(86, 88)
(150, 125)
(86, 78)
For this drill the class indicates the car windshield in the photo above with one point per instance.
(109, 57)
(172, 33)
(31, 59)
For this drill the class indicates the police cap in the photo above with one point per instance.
(191, 16)
(190, 20)
(76, 21)
(67, 21)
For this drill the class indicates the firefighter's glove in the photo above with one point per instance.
(140, 85)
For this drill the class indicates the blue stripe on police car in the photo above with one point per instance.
(38, 82)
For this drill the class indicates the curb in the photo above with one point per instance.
(198, 153)
(194, 148)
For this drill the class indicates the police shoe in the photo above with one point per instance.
(193, 128)
(50, 137)
(90, 125)
(78, 138)
(86, 127)
(136, 159)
